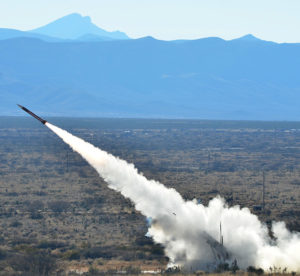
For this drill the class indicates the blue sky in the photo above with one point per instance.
(276, 20)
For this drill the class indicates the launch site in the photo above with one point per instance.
(84, 225)
(149, 138)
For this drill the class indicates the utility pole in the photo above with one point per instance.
(221, 235)
(264, 180)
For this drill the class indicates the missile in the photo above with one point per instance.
(32, 114)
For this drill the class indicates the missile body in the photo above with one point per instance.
(32, 114)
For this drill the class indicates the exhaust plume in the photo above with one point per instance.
(190, 231)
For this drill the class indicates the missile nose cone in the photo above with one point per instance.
(32, 114)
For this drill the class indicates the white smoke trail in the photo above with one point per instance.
(189, 230)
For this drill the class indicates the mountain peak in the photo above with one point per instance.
(75, 25)
(248, 37)
(75, 17)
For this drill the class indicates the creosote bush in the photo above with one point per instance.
(257, 271)
(37, 263)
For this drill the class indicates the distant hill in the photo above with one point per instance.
(206, 78)
(248, 38)
(11, 33)
(92, 37)
(75, 26)
(70, 28)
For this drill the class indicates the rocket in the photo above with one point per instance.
(32, 114)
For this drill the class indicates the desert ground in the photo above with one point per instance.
(58, 217)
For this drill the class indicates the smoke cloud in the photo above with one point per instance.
(190, 232)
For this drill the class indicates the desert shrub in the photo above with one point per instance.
(16, 224)
(157, 249)
(94, 272)
(140, 256)
(6, 213)
(50, 244)
(82, 173)
(222, 267)
(72, 255)
(33, 263)
(21, 241)
(36, 215)
(34, 208)
(257, 271)
(133, 270)
(143, 240)
(25, 248)
(278, 270)
(3, 254)
(129, 256)
(11, 194)
(40, 193)
(89, 202)
(97, 252)
(59, 206)
(234, 267)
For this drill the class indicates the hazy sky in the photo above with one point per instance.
(277, 20)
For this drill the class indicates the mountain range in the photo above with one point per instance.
(56, 71)
(70, 28)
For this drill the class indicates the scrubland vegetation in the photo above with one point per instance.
(57, 215)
